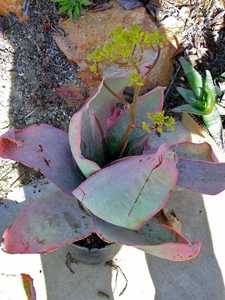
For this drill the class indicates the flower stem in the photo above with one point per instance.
(118, 97)
(132, 122)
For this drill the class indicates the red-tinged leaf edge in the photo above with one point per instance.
(43, 225)
(88, 126)
(178, 249)
(45, 149)
(176, 252)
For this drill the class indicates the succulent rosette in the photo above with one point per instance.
(118, 198)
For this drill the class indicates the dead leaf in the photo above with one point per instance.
(28, 286)
(72, 94)
(12, 6)
(169, 218)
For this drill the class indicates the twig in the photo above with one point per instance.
(114, 266)
(102, 294)
(69, 261)
(172, 82)
(30, 114)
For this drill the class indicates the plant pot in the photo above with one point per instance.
(199, 133)
(93, 256)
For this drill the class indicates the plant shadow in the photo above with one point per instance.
(199, 278)
(87, 282)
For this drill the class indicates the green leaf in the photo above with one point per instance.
(188, 108)
(222, 75)
(188, 95)
(194, 78)
(209, 93)
(132, 190)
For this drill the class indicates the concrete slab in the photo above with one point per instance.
(147, 277)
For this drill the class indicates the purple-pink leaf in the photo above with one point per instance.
(194, 151)
(180, 135)
(88, 127)
(201, 176)
(154, 238)
(175, 251)
(150, 102)
(132, 190)
(46, 224)
(45, 149)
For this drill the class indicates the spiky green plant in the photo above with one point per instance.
(202, 100)
(71, 7)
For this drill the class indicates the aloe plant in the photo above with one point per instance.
(201, 99)
(119, 200)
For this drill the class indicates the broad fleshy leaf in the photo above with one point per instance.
(175, 251)
(209, 88)
(201, 176)
(46, 224)
(153, 238)
(88, 127)
(193, 76)
(193, 151)
(43, 148)
(188, 95)
(214, 124)
(180, 135)
(132, 190)
(150, 102)
(8, 210)
(188, 108)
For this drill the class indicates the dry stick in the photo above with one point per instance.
(172, 82)
(117, 268)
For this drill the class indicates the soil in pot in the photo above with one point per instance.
(92, 241)
(93, 250)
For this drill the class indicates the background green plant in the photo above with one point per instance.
(71, 7)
